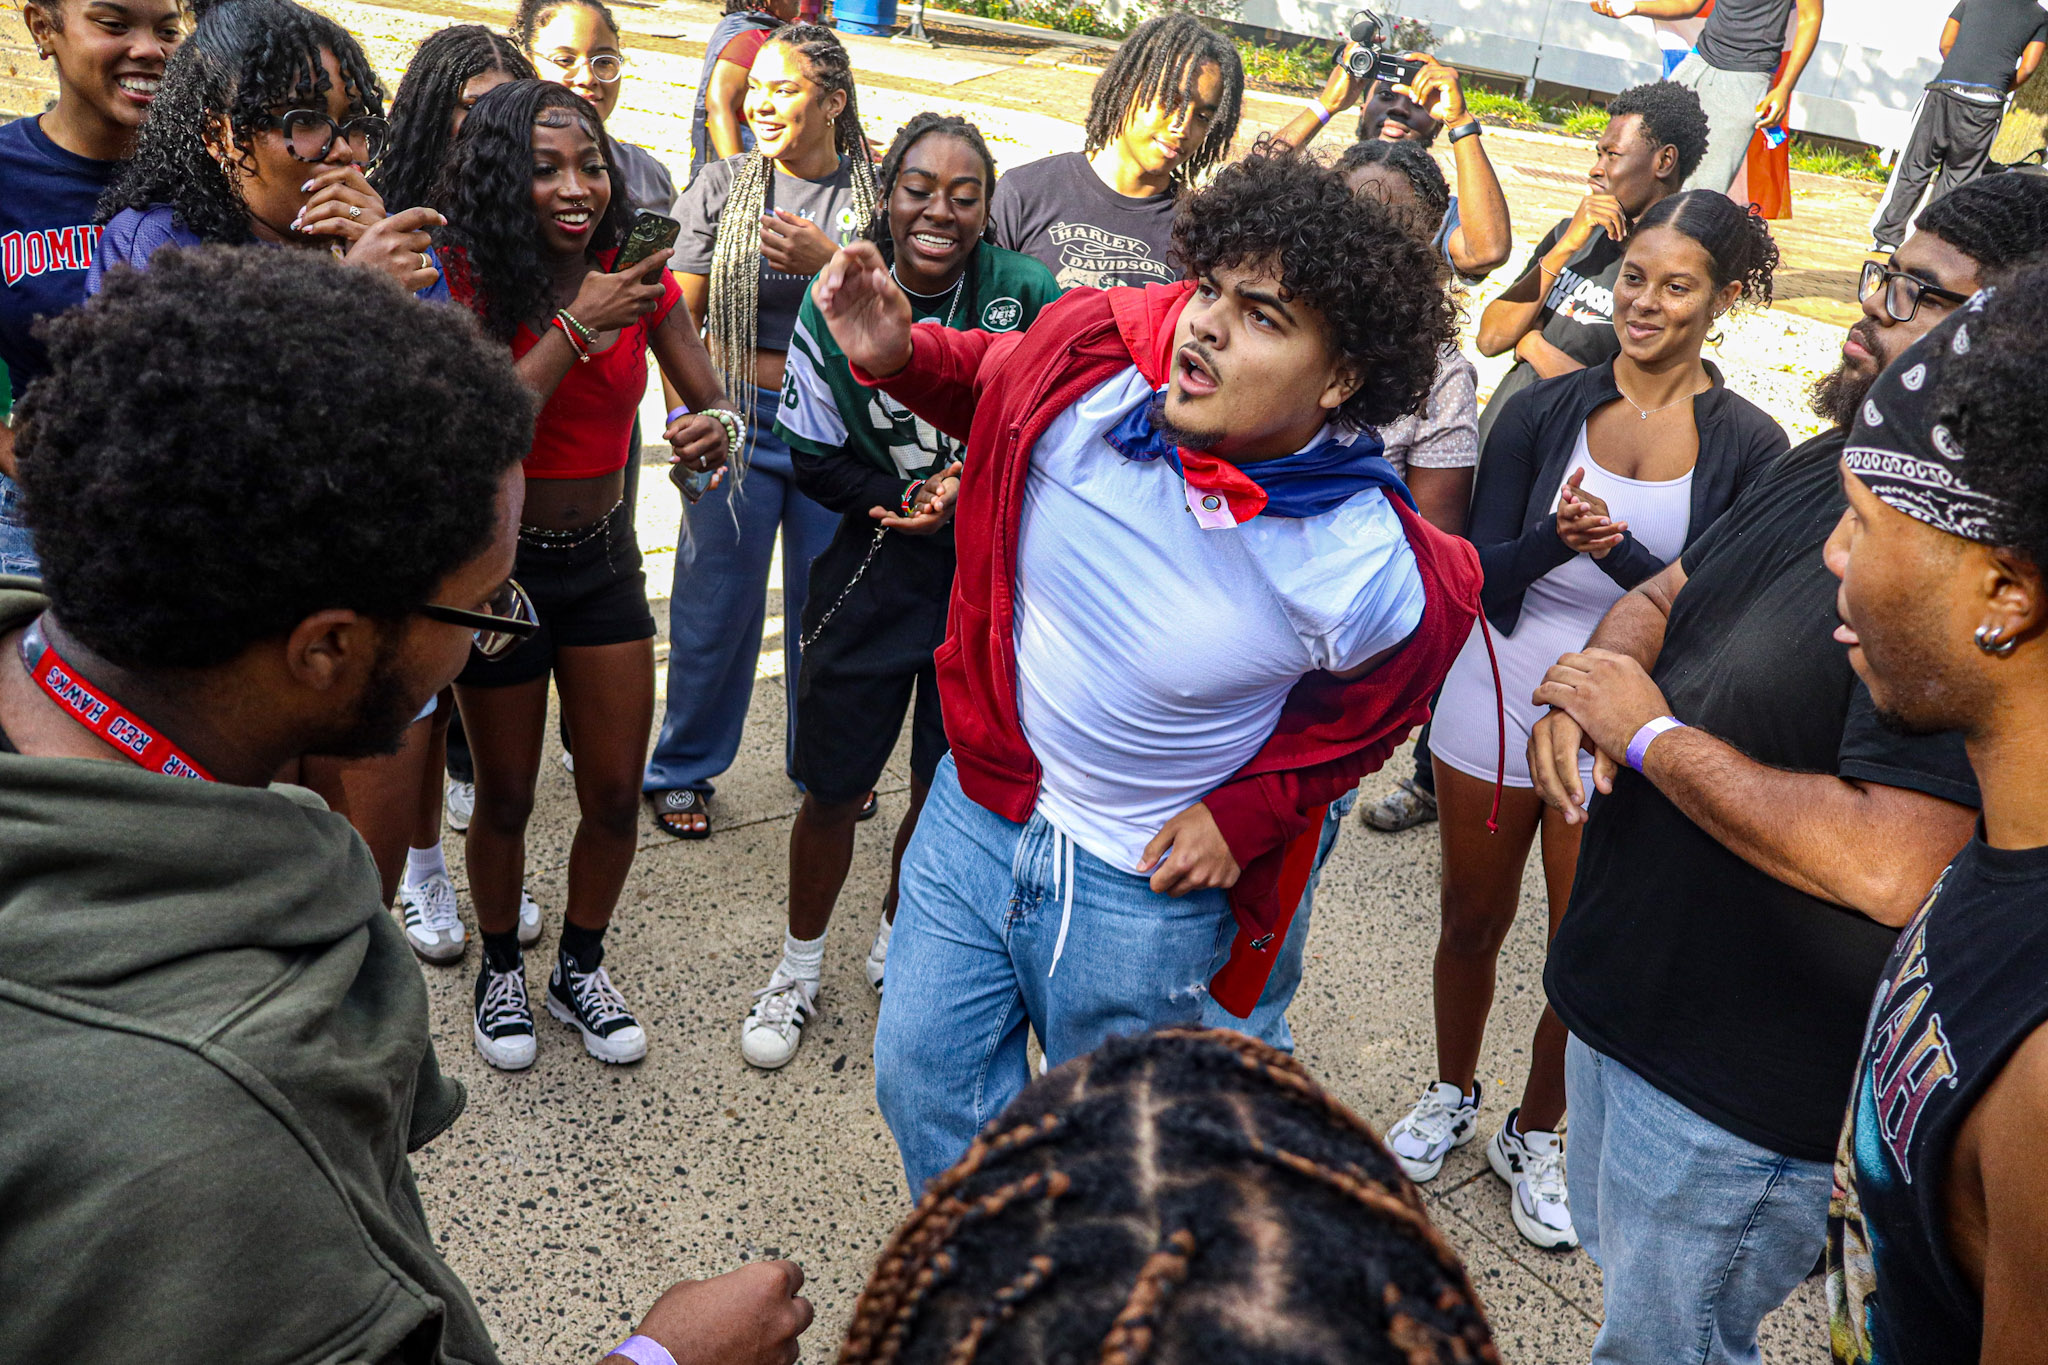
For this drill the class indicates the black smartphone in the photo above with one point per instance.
(651, 232)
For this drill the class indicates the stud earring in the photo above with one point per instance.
(1993, 641)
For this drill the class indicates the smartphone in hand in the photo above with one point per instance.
(651, 232)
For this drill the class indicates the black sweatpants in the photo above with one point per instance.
(1948, 131)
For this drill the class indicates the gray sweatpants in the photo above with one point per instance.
(1948, 131)
(1730, 100)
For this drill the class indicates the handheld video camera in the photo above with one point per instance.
(1369, 62)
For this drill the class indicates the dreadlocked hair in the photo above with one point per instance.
(1998, 221)
(424, 108)
(533, 16)
(734, 331)
(244, 59)
(486, 194)
(1376, 284)
(1185, 1195)
(913, 132)
(1160, 64)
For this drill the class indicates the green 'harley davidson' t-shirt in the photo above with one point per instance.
(824, 411)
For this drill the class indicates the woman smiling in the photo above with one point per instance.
(756, 228)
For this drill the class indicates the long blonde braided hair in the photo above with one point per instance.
(735, 304)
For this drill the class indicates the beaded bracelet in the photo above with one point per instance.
(735, 431)
(569, 322)
(576, 343)
(909, 503)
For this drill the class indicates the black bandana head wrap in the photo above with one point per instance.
(1901, 449)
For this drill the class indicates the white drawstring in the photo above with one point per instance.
(1062, 886)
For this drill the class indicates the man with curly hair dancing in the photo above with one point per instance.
(1193, 605)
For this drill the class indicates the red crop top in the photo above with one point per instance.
(584, 426)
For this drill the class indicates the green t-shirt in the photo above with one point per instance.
(1002, 291)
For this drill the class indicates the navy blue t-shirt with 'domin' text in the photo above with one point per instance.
(47, 238)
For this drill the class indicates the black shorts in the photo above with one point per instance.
(860, 672)
(586, 594)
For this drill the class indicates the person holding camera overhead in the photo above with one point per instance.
(1164, 111)
(1475, 236)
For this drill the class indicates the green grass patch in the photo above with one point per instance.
(1064, 16)
(1304, 66)
(1491, 104)
(1820, 159)
(1585, 120)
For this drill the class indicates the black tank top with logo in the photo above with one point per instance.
(1966, 985)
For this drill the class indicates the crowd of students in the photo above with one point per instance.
(1149, 485)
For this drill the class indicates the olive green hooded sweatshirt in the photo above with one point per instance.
(213, 1062)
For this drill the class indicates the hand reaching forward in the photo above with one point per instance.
(868, 315)
(1189, 854)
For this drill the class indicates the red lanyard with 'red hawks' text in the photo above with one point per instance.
(130, 735)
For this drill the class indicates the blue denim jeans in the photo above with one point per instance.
(1698, 1233)
(1268, 1019)
(17, 550)
(986, 943)
(719, 604)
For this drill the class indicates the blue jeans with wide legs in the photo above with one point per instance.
(1698, 1233)
(1268, 1020)
(17, 547)
(1000, 925)
(719, 603)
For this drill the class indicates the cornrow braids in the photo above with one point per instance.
(1160, 64)
(486, 194)
(734, 329)
(911, 133)
(244, 59)
(1187, 1195)
(533, 16)
(423, 111)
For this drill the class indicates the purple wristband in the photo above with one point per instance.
(674, 413)
(1639, 747)
(644, 1351)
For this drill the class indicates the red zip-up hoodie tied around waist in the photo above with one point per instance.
(999, 392)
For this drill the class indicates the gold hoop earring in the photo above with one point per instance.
(1994, 641)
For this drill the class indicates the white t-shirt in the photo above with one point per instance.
(1154, 655)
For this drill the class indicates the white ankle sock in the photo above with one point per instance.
(803, 958)
(422, 863)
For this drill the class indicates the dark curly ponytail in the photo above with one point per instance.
(486, 193)
(244, 58)
(1736, 239)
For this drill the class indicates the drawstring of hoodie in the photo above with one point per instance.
(1500, 720)
(1063, 887)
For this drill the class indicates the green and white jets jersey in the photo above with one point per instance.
(824, 410)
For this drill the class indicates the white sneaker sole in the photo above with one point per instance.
(437, 951)
(1537, 1233)
(506, 1054)
(762, 1060)
(627, 1045)
(1422, 1172)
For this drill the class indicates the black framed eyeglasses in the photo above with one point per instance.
(310, 136)
(506, 619)
(1903, 292)
(604, 68)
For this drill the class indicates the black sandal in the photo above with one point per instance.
(680, 801)
(868, 808)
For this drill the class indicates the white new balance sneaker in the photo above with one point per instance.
(1442, 1119)
(775, 1026)
(1532, 1164)
(432, 925)
(529, 919)
(878, 956)
(459, 803)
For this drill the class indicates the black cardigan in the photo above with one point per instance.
(1527, 457)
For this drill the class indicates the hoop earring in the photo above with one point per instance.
(1994, 642)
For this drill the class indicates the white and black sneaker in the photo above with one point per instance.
(1532, 1164)
(775, 1026)
(589, 1003)
(878, 955)
(1442, 1119)
(504, 1021)
(529, 919)
(432, 925)
(460, 804)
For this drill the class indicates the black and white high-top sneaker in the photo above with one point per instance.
(588, 1002)
(504, 1021)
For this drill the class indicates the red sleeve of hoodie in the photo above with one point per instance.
(947, 369)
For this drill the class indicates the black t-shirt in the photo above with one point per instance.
(1961, 993)
(1577, 316)
(1083, 231)
(1990, 36)
(1744, 35)
(1726, 989)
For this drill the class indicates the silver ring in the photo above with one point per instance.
(355, 210)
